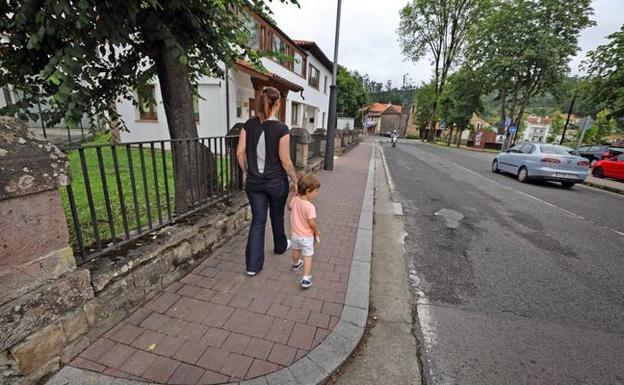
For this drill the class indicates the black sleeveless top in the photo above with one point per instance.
(263, 161)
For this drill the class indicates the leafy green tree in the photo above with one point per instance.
(523, 47)
(604, 126)
(352, 92)
(460, 99)
(557, 122)
(605, 67)
(83, 55)
(424, 97)
(438, 28)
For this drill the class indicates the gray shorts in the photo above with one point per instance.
(305, 244)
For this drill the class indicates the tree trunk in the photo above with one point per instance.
(189, 172)
(450, 137)
(432, 120)
(459, 135)
(503, 97)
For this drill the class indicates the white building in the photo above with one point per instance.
(304, 85)
(537, 129)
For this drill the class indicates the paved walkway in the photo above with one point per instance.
(606, 184)
(217, 325)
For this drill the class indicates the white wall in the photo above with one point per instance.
(345, 123)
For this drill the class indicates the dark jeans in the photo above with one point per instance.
(269, 196)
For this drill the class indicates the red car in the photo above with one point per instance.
(610, 168)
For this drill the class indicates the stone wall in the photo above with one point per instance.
(52, 324)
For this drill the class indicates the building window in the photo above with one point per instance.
(325, 88)
(299, 64)
(196, 103)
(294, 119)
(279, 47)
(313, 77)
(254, 30)
(323, 123)
(147, 106)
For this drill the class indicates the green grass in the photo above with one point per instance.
(125, 179)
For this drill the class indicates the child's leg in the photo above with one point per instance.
(296, 256)
(307, 266)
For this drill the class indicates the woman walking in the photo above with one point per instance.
(263, 154)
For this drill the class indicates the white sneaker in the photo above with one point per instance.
(251, 273)
(297, 266)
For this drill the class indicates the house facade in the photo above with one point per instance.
(380, 117)
(222, 103)
(537, 129)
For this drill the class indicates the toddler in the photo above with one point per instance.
(304, 231)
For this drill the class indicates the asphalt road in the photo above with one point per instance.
(515, 283)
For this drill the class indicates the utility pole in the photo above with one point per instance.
(332, 119)
(565, 128)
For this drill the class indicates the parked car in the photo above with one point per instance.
(609, 168)
(544, 162)
(596, 153)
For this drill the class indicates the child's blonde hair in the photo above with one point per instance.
(307, 183)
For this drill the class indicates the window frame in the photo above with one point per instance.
(294, 114)
(267, 35)
(318, 77)
(150, 115)
(195, 98)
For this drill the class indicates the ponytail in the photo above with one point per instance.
(266, 104)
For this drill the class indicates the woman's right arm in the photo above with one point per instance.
(284, 154)
(241, 150)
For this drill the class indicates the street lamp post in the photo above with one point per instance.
(332, 119)
(565, 128)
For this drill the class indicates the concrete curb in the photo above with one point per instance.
(315, 367)
(605, 187)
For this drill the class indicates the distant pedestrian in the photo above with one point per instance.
(304, 229)
(263, 154)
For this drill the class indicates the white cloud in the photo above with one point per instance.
(368, 39)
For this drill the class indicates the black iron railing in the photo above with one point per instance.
(122, 192)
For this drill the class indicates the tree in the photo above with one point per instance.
(424, 97)
(602, 127)
(557, 122)
(605, 66)
(461, 98)
(439, 28)
(83, 55)
(523, 47)
(352, 92)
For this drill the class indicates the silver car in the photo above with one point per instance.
(544, 162)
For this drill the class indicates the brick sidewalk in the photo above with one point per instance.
(217, 325)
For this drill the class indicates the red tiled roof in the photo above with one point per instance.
(381, 108)
(266, 75)
(534, 119)
(316, 51)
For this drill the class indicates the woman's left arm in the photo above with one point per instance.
(284, 154)
(241, 150)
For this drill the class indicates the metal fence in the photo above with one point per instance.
(120, 193)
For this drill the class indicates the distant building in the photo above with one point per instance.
(380, 117)
(537, 129)
(478, 123)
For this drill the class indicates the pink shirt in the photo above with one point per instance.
(302, 211)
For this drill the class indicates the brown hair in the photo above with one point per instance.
(268, 98)
(307, 183)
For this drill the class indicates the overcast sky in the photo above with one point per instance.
(368, 39)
